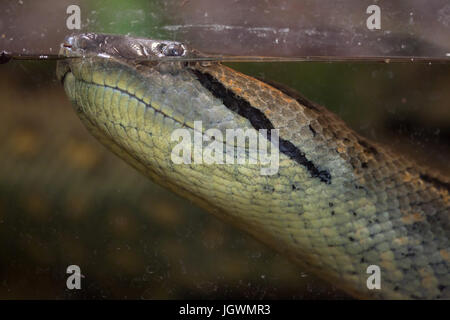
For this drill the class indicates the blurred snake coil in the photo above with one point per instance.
(339, 202)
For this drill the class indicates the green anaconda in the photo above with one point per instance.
(338, 202)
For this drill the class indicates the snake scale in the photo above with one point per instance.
(338, 203)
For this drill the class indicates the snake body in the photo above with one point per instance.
(338, 203)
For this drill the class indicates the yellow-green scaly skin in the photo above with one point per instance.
(377, 210)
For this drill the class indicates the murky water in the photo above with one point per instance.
(65, 200)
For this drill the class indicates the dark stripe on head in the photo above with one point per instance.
(258, 120)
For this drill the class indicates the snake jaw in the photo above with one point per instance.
(62, 69)
(67, 49)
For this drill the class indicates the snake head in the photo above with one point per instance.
(122, 47)
(126, 49)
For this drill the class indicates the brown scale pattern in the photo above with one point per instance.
(406, 203)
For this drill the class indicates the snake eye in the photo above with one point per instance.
(83, 42)
(173, 50)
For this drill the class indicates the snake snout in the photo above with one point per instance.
(62, 69)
